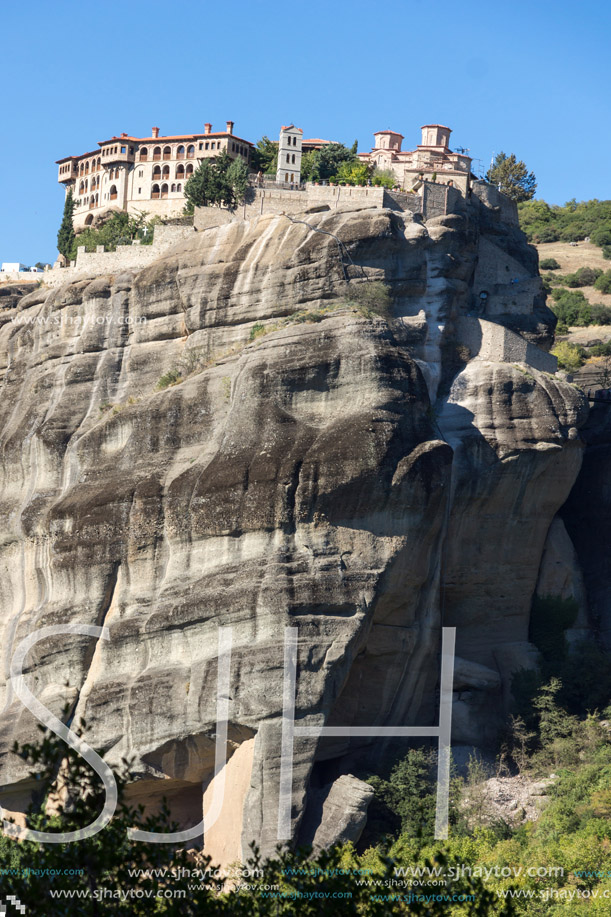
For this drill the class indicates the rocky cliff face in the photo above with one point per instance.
(317, 467)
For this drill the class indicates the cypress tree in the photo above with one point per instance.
(65, 236)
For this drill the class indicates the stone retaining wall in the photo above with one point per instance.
(489, 341)
(133, 257)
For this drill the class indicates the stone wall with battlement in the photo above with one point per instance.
(126, 257)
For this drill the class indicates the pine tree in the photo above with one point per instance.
(512, 177)
(65, 235)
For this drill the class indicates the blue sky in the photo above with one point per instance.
(526, 77)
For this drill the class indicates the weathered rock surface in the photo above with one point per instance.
(296, 478)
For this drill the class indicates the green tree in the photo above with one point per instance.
(323, 164)
(512, 177)
(222, 181)
(237, 177)
(265, 156)
(65, 235)
(353, 173)
(570, 356)
(385, 178)
(603, 282)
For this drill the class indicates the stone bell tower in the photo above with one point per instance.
(289, 155)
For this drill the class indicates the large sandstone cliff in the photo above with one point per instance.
(366, 481)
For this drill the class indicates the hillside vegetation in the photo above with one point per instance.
(573, 222)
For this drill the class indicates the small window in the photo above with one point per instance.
(139, 190)
(190, 151)
(179, 187)
(173, 188)
(293, 159)
(213, 145)
(124, 149)
(140, 173)
(288, 157)
(201, 146)
(207, 145)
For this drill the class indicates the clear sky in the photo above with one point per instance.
(531, 78)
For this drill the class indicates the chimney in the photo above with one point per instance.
(155, 132)
(124, 134)
(207, 128)
(230, 127)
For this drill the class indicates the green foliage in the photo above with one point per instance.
(512, 177)
(221, 182)
(237, 179)
(353, 173)
(302, 884)
(409, 792)
(170, 378)
(570, 356)
(571, 307)
(65, 235)
(584, 277)
(549, 264)
(385, 178)
(265, 156)
(117, 229)
(571, 223)
(373, 297)
(324, 164)
(256, 331)
(603, 282)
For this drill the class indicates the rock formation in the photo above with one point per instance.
(224, 439)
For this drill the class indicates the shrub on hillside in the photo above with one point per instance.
(570, 356)
(549, 264)
(571, 307)
(600, 315)
(584, 277)
(603, 282)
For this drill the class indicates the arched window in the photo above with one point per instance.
(99, 163)
(180, 171)
(86, 168)
(165, 172)
(286, 176)
(144, 154)
(288, 157)
(157, 153)
(113, 192)
(89, 220)
(167, 152)
(173, 188)
(190, 151)
(179, 187)
(164, 190)
(293, 159)
(292, 177)
(81, 187)
(189, 170)
(82, 169)
(155, 191)
(156, 172)
(180, 152)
